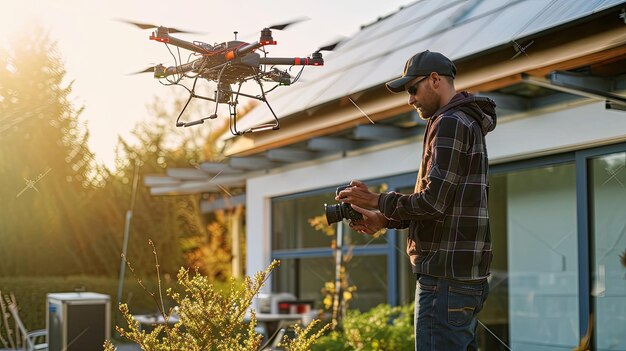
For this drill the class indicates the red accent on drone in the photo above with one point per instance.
(162, 40)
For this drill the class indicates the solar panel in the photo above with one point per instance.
(457, 28)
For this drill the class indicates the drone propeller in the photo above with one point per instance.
(330, 47)
(147, 70)
(280, 26)
(151, 26)
(285, 25)
(150, 69)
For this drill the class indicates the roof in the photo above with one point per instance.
(457, 28)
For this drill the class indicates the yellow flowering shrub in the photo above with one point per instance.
(209, 320)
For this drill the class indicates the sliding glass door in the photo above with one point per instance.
(533, 304)
(607, 197)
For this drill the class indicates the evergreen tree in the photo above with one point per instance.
(44, 162)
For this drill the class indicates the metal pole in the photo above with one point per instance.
(129, 216)
(235, 229)
(338, 265)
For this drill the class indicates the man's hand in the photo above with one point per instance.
(358, 194)
(372, 221)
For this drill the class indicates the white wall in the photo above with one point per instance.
(539, 134)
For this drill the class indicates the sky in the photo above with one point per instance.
(99, 51)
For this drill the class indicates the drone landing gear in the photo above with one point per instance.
(192, 94)
(233, 113)
(224, 94)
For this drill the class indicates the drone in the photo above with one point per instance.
(229, 64)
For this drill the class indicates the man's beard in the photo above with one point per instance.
(423, 113)
(427, 106)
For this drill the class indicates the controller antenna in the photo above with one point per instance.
(236, 32)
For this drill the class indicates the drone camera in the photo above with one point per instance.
(223, 94)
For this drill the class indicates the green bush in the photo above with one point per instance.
(211, 320)
(381, 328)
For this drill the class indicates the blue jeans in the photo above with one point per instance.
(445, 313)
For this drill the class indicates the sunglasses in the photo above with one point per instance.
(412, 90)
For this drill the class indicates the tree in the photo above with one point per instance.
(44, 162)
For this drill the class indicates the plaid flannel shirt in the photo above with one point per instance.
(447, 214)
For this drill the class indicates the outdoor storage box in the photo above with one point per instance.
(77, 321)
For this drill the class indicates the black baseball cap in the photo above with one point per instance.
(422, 64)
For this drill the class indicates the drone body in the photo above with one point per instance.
(230, 65)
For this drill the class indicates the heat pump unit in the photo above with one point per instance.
(77, 321)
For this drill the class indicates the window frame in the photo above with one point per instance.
(388, 249)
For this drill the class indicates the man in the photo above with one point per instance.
(449, 243)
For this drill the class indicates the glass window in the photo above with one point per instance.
(369, 275)
(533, 303)
(299, 222)
(608, 223)
(305, 278)
(290, 222)
(294, 220)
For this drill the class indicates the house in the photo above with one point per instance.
(556, 69)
